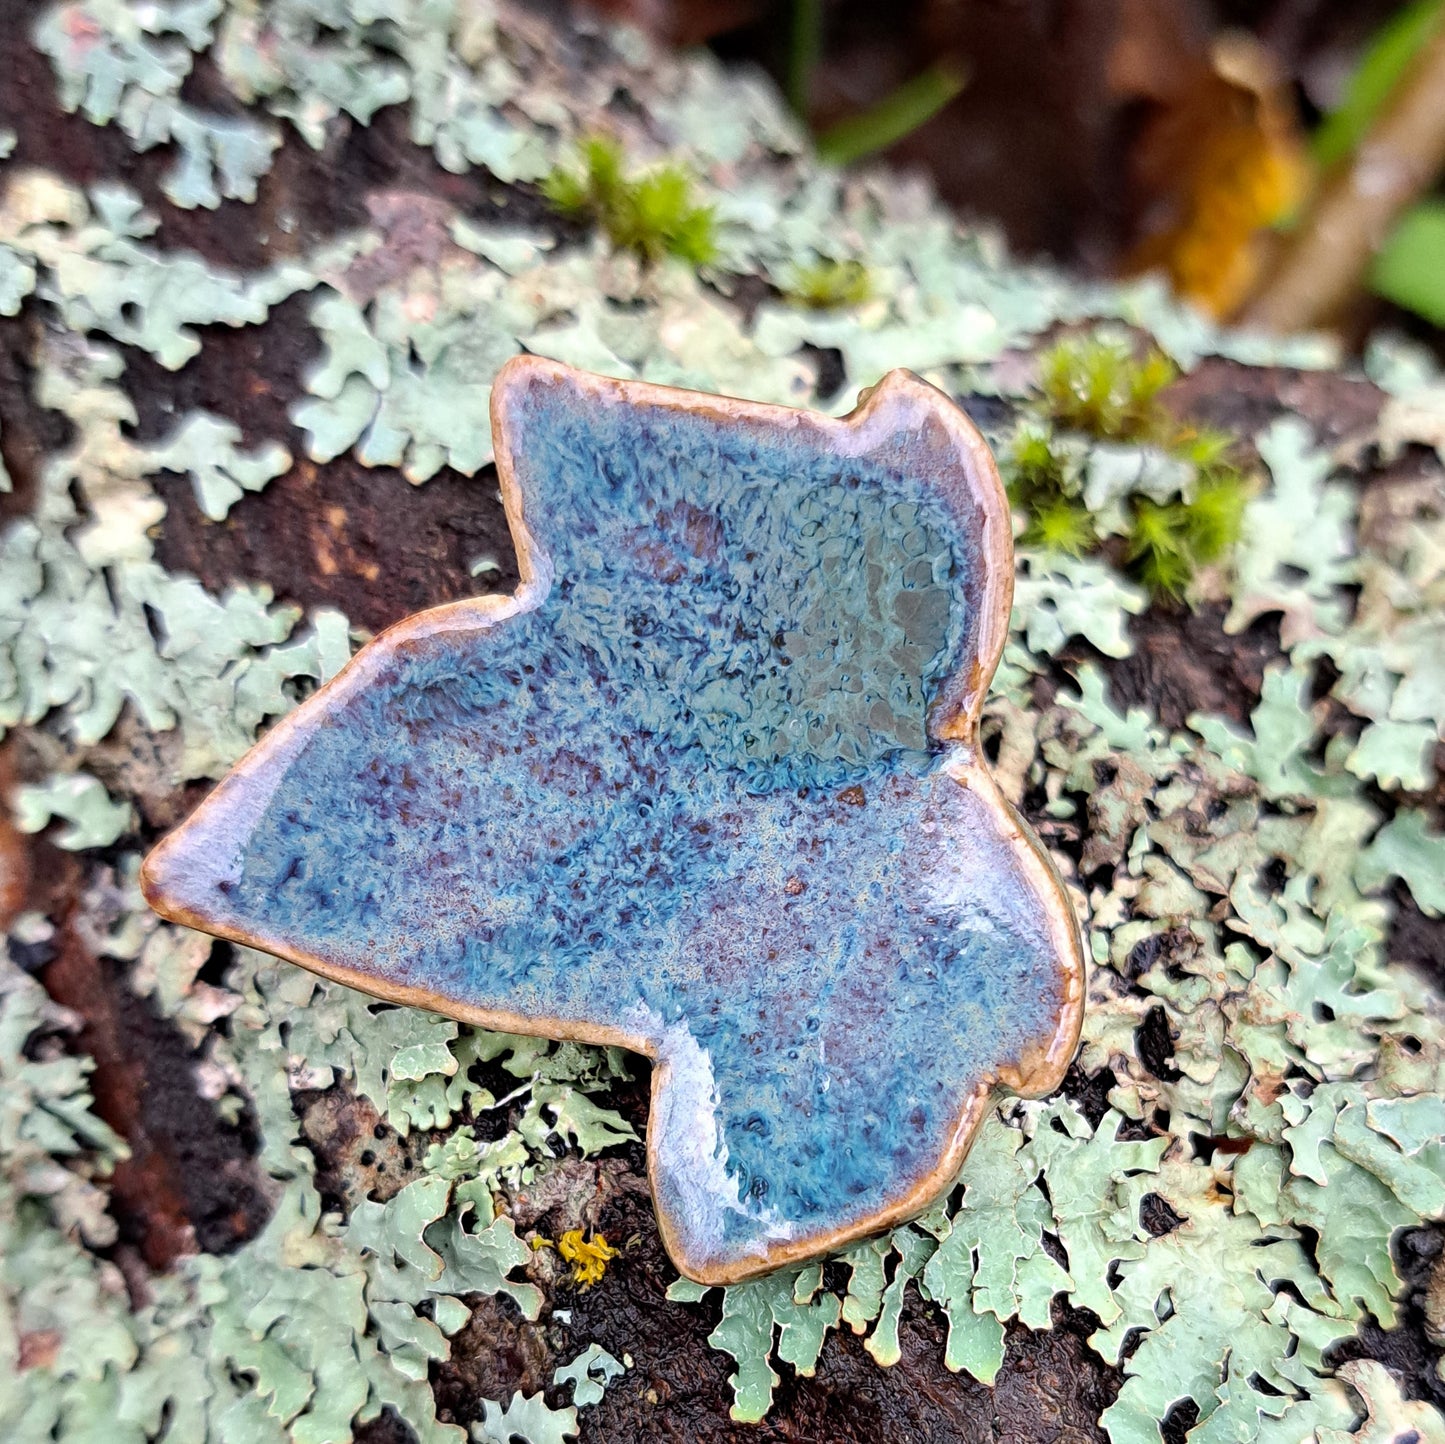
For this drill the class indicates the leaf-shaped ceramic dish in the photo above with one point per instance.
(707, 786)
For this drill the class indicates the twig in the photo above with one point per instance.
(1325, 259)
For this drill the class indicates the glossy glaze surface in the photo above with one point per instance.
(705, 786)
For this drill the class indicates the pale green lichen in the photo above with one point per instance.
(1404, 849)
(97, 270)
(52, 1147)
(1297, 550)
(413, 393)
(323, 1320)
(125, 64)
(205, 448)
(751, 1316)
(525, 1417)
(1057, 597)
(96, 819)
(1232, 877)
(1389, 1416)
(589, 1374)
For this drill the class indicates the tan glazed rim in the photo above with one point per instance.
(976, 494)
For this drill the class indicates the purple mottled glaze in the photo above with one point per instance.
(705, 786)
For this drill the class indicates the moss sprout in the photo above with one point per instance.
(653, 213)
(1213, 517)
(828, 285)
(1167, 543)
(1062, 526)
(1204, 447)
(1042, 483)
(1158, 545)
(1098, 386)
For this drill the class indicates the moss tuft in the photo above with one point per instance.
(828, 285)
(653, 214)
(1214, 517)
(1098, 386)
(1158, 546)
(1095, 389)
(1062, 526)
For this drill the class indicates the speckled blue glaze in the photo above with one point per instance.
(684, 792)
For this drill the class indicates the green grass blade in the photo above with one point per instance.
(1385, 61)
(899, 114)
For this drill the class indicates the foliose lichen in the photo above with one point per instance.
(1238, 883)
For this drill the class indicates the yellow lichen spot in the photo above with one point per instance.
(588, 1256)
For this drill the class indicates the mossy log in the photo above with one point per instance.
(351, 232)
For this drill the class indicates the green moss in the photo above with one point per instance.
(653, 214)
(594, 185)
(828, 285)
(1098, 386)
(1214, 516)
(1167, 544)
(1158, 547)
(1061, 526)
(1183, 508)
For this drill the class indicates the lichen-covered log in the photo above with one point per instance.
(257, 267)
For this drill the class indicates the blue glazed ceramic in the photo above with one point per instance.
(706, 786)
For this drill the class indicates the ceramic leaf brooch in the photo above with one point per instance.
(708, 786)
